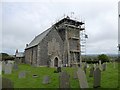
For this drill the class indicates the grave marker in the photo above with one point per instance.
(97, 78)
(46, 80)
(91, 71)
(7, 84)
(82, 78)
(8, 68)
(22, 74)
(64, 80)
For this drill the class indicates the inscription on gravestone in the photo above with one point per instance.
(82, 78)
(97, 77)
(64, 80)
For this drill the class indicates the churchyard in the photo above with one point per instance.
(89, 76)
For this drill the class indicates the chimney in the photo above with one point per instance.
(16, 50)
(26, 45)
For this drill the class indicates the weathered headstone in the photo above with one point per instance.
(58, 69)
(64, 80)
(75, 75)
(97, 78)
(103, 66)
(91, 71)
(82, 78)
(46, 80)
(22, 74)
(15, 67)
(85, 67)
(7, 84)
(8, 68)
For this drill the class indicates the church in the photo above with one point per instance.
(58, 46)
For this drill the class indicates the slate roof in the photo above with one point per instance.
(38, 39)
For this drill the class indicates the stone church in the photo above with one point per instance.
(57, 46)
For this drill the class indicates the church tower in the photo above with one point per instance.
(69, 31)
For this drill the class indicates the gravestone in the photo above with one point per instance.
(82, 78)
(3, 66)
(64, 80)
(0, 68)
(8, 68)
(103, 66)
(46, 80)
(0, 82)
(22, 74)
(15, 66)
(7, 84)
(85, 67)
(58, 69)
(75, 75)
(91, 71)
(97, 78)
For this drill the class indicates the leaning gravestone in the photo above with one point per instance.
(8, 68)
(7, 84)
(46, 80)
(22, 74)
(97, 78)
(91, 71)
(82, 78)
(64, 80)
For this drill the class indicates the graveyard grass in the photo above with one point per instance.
(109, 77)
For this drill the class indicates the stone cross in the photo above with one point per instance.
(64, 80)
(82, 78)
(97, 77)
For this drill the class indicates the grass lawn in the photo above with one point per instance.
(109, 77)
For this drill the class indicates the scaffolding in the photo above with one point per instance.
(83, 38)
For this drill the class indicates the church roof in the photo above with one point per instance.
(38, 39)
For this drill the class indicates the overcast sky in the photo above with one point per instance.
(22, 21)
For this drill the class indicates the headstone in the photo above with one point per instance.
(82, 78)
(75, 75)
(64, 80)
(91, 71)
(104, 66)
(8, 68)
(97, 78)
(22, 74)
(15, 67)
(58, 69)
(100, 64)
(7, 84)
(46, 80)
(85, 67)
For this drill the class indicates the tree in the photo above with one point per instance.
(5, 56)
(103, 58)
